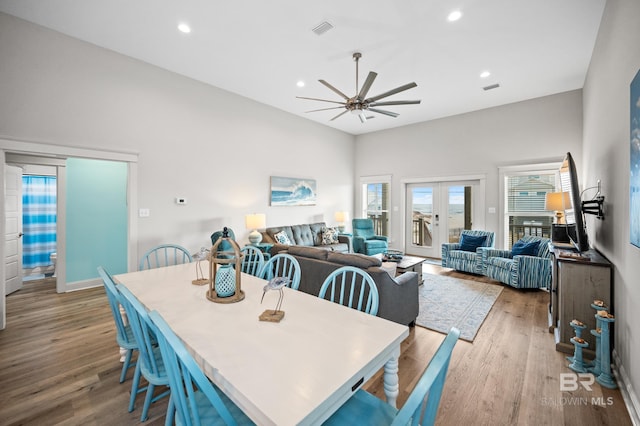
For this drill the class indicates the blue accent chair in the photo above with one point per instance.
(224, 246)
(365, 240)
(194, 399)
(520, 271)
(351, 283)
(124, 333)
(150, 363)
(253, 260)
(420, 408)
(462, 260)
(165, 255)
(282, 265)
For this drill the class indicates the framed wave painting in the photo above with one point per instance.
(287, 191)
(634, 178)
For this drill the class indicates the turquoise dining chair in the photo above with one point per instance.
(282, 265)
(150, 363)
(124, 333)
(194, 399)
(165, 255)
(253, 260)
(420, 408)
(351, 283)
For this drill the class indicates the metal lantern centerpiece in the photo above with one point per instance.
(224, 271)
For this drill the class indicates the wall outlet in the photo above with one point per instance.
(144, 213)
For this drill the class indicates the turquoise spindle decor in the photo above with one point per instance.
(594, 366)
(578, 326)
(605, 378)
(225, 268)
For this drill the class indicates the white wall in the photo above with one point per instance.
(212, 147)
(477, 143)
(615, 62)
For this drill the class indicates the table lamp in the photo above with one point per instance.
(341, 217)
(558, 201)
(254, 222)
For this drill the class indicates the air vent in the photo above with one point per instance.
(322, 28)
(490, 87)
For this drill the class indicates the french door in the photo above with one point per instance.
(436, 213)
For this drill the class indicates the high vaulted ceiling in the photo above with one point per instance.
(260, 49)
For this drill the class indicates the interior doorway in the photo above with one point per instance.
(40, 181)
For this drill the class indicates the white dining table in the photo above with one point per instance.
(295, 372)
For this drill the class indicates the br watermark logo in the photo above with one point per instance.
(570, 382)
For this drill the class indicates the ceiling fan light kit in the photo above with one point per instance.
(359, 104)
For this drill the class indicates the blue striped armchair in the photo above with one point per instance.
(531, 270)
(461, 257)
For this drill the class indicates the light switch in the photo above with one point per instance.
(492, 210)
(181, 201)
(144, 213)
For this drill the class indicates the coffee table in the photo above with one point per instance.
(408, 263)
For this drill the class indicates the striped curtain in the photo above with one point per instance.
(38, 220)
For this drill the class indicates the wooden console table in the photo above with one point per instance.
(577, 280)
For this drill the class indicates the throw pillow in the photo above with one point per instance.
(329, 236)
(528, 249)
(282, 238)
(471, 242)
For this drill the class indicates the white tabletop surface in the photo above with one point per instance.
(298, 371)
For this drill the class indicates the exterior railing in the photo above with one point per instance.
(379, 224)
(537, 230)
(421, 237)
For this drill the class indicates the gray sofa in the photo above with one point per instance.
(398, 297)
(308, 234)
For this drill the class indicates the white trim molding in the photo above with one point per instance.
(631, 400)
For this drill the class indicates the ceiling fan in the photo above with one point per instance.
(360, 104)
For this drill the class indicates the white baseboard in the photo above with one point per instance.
(81, 285)
(629, 395)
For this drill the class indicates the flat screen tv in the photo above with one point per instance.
(573, 214)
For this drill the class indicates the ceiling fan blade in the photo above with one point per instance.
(392, 92)
(324, 109)
(367, 85)
(394, 103)
(381, 111)
(321, 100)
(342, 113)
(346, 98)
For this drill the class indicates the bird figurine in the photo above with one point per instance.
(276, 283)
(203, 254)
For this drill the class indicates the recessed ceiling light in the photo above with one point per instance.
(300, 83)
(485, 74)
(454, 16)
(184, 28)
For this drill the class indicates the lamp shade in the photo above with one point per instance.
(341, 216)
(557, 201)
(255, 221)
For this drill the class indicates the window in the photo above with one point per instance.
(376, 196)
(524, 199)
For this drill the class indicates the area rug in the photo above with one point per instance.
(447, 302)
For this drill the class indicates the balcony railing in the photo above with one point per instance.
(422, 237)
(379, 223)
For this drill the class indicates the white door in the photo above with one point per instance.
(13, 215)
(436, 213)
(423, 219)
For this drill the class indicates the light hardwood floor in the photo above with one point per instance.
(59, 365)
